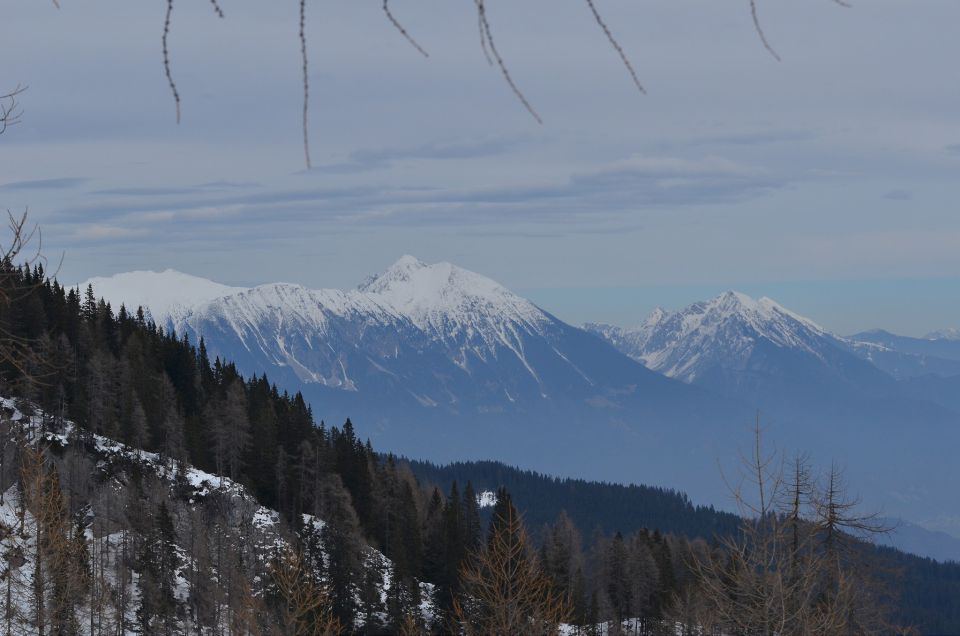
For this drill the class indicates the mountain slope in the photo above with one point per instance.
(904, 357)
(950, 333)
(152, 528)
(165, 295)
(435, 362)
(737, 345)
(438, 362)
(814, 390)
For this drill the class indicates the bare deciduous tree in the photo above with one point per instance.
(10, 109)
(785, 573)
(505, 590)
(305, 603)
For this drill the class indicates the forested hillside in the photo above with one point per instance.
(157, 491)
(610, 507)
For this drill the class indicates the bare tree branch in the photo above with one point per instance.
(403, 31)
(759, 29)
(616, 45)
(166, 58)
(306, 81)
(10, 109)
(217, 9)
(795, 566)
(487, 40)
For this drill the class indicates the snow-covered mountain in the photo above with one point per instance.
(444, 335)
(434, 360)
(749, 347)
(722, 332)
(950, 333)
(903, 356)
(835, 397)
(166, 296)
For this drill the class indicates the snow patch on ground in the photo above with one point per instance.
(486, 499)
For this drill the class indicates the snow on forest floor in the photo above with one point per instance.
(111, 545)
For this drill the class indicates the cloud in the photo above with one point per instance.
(61, 183)
(953, 149)
(213, 186)
(754, 138)
(106, 232)
(605, 198)
(367, 160)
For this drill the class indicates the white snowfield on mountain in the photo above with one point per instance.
(468, 315)
(441, 299)
(167, 295)
(677, 343)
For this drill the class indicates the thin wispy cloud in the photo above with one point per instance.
(369, 160)
(60, 183)
(610, 194)
(106, 232)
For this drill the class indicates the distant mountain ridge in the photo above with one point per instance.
(436, 362)
(752, 348)
(950, 333)
(735, 334)
(457, 324)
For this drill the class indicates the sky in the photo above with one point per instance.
(826, 180)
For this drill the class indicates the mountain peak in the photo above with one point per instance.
(431, 293)
(409, 261)
(656, 316)
(738, 301)
(403, 270)
(685, 343)
(756, 311)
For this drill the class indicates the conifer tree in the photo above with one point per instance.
(340, 537)
(472, 530)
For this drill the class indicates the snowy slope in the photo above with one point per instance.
(447, 301)
(435, 361)
(121, 470)
(906, 357)
(721, 332)
(951, 333)
(167, 295)
(762, 353)
(439, 334)
(727, 332)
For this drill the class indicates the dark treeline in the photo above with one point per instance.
(589, 504)
(611, 552)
